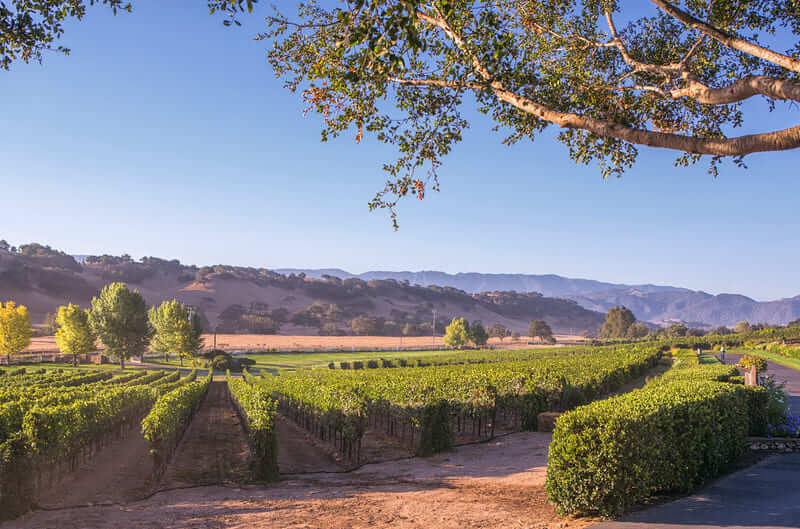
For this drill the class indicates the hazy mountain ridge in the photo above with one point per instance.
(653, 303)
(547, 284)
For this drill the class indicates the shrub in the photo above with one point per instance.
(751, 360)
(671, 436)
(210, 354)
(777, 405)
(372, 364)
(344, 365)
(331, 365)
(244, 363)
(221, 362)
(403, 362)
(358, 365)
(386, 363)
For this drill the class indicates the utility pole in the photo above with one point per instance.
(433, 330)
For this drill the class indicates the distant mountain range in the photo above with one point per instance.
(303, 301)
(653, 303)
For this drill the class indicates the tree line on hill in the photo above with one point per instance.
(335, 302)
(620, 323)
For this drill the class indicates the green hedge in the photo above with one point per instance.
(257, 411)
(672, 435)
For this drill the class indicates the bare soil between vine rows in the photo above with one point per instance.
(496, 484)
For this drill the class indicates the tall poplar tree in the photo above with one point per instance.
(15, 329)
(74, 335)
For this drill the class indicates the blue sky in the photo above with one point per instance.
(166, 134)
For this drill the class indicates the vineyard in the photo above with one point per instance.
(432, 408)
(51, 421)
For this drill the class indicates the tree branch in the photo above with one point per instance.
(739, 90)
(729, 40)
(666, 69)
(739, 146)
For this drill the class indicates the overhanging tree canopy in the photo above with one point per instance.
(613, 75)
(674, 78)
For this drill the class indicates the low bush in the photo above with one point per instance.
(372, 364)
(344, 365)
(358, 365)
(211, 353)
(221, 362)
(751, 360)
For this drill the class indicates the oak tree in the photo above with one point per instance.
(478, 334)
(540, 329)
(618, 320)
(498, 330)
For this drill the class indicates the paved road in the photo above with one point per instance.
(766, 495)
(787, 375)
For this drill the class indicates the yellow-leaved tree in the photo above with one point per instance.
(15, 329)
(74, 334)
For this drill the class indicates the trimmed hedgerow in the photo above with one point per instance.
(257, 411)
(672, 435)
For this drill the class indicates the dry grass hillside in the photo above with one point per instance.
(257, 301)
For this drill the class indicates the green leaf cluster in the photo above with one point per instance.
(257, 410)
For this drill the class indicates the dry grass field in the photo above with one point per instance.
(279, 342)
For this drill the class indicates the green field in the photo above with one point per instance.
(277, 362)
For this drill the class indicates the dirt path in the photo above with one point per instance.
(214, 447)
(119, 472)
(298, 452)
(489, 486)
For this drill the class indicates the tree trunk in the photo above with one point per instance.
(74, 360)
(122, 362)
(166, 357)
(180, 359)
